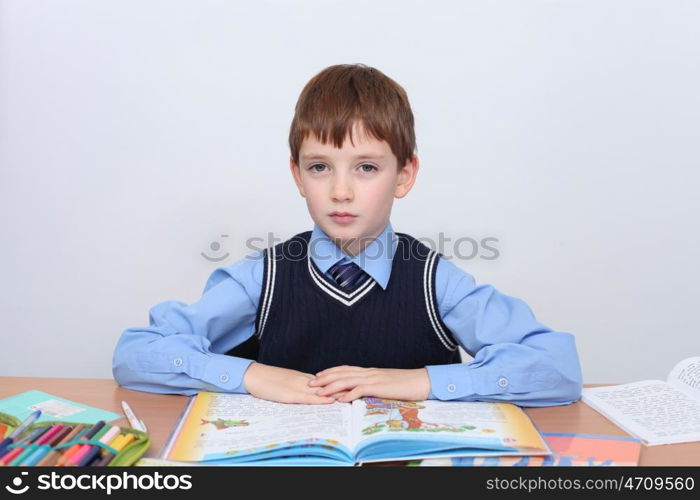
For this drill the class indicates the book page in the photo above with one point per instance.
(489, 425)
(653, 410)
(221, 425)
(686, 376)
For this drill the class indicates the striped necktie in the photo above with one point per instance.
(347, 275)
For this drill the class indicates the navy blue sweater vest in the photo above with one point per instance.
(306, 322)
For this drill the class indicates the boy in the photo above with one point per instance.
(351, 308)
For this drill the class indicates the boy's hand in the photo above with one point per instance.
(281, 385)
(347, 383)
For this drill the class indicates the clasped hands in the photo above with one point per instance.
(340, 383)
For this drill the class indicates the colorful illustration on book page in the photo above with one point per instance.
(494, 424)
(220, 426)
(221, 423)
(403, 416)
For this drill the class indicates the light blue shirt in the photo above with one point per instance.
(516, 358)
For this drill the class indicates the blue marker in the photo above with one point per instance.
(18, 431)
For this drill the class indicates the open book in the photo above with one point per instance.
(233, 429)
(655, 411)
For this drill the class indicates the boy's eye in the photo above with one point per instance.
(318, 167)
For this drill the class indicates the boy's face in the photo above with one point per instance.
(361, 180)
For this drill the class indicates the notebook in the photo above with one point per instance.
(53, 408)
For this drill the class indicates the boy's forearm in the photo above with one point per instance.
(517, 373)
(145, 360)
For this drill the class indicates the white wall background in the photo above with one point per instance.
(133, 134)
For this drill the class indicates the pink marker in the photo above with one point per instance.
(49, 435)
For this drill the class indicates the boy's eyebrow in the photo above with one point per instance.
(356, 157)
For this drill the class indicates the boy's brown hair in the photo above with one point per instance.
(341, 95)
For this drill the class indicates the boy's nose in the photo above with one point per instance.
(341, 190)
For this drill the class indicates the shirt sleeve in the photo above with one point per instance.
(516, 358)
(181, 352)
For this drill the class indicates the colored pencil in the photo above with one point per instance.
(15, 452)
(54, 455)
(74, 449)
(106, 438)
(85, 449)
(46, 448)
(44, 438)
(124, 440)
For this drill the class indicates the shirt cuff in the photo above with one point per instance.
(449, 382)
(226, 372)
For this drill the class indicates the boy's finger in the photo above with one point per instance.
(339, 369)
(331, 377)
(313, 399)
(357, 392)
(326, 379)
(340, 385)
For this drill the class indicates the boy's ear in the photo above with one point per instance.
(407, 177)
(296, 173)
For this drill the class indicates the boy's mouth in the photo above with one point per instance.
(342, 217)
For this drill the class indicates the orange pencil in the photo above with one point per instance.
(67, 454)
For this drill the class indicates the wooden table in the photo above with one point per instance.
(160, 412)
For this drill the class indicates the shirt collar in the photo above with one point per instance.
(376, 259)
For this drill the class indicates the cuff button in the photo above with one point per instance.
(177, 361)
(451, 388)
(503, 382)
(223, 377)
